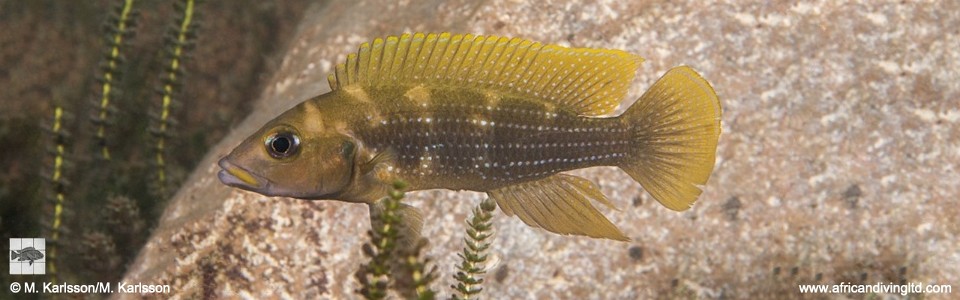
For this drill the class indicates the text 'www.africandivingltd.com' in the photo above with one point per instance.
(876, 288)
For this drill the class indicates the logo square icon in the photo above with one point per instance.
(28, 256)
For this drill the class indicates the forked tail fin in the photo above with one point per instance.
(676, 126)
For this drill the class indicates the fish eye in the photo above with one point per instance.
(282, 144)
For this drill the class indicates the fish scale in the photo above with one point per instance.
(505, 116)
(464, 143)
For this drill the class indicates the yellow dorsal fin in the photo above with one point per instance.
(590, 82)
(560, 204)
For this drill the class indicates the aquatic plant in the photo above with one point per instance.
(374, 276)
(179, 40)
(416, 280)
(474, 255)
(122, 215)
(119, 29)
(413, 280)
(58, 186)
(54, 59)
(122, 228)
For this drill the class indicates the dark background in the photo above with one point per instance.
(49, 55)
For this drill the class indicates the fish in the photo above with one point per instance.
(498, 115)
(28, 253)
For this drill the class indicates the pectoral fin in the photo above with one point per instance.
(378, 163)
(371, 177)
(411, 221)
(560, 204)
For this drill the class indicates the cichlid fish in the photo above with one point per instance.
(28, 253)
(504, 116)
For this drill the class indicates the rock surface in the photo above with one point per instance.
(838, 161)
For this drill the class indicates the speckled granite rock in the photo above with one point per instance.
(838, 161)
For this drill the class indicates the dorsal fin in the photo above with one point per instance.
(590, 82)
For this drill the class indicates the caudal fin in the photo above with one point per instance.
(676, 125)
(14, 254)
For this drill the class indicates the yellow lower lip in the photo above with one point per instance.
(243, 176)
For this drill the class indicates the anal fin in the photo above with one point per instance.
(559, 204)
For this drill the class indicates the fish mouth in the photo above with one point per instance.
(238, 177)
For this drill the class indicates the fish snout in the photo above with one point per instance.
(236, 176)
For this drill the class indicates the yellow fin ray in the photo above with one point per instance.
(560, 204)
(676, 126)
(410, 218)
(590, 82)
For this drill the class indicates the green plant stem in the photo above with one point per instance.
(418, 274)
(474, 255)
(57, 180)
(171, 77)
(110, 73)
(374, 276)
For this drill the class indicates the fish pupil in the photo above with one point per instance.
(281, 144)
